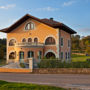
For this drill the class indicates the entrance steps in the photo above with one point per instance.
(12, 65)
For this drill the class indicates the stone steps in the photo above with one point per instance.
(12, 65)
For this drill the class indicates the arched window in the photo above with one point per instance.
(12, 42)
(30, 54)
(29, 26)
(50, 41)
(12, 55)
(24, 40)
(36, 40)
(29, 40)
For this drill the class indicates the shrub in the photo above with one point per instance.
(59, 64)
(22, 65)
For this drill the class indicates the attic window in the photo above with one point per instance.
(29, 26)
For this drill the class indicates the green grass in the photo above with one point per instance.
(22, 86)
(79, 58)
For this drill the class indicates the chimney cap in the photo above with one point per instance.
(51, 18)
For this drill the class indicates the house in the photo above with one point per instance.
(31, 37)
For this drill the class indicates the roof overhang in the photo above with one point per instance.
(27, 16)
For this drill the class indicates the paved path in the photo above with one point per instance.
(60, 80)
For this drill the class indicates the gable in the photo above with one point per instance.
(27, 16)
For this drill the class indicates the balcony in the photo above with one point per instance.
(30, 44)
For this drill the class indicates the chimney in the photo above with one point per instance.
(51, 18)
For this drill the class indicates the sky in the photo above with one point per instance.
(74, 13)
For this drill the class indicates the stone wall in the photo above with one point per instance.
(62, 71)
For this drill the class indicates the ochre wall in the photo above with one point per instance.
(41, 31)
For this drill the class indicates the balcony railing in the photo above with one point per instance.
(30, 44)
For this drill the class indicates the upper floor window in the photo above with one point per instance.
(29, 40)
(29, 26)
(24, 40)
(36, 40)
(12, 42)
(69, 43)
(61, 41)
(50, 41)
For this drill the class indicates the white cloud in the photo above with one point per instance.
(8, 6)
(69, 3)
(47, 9)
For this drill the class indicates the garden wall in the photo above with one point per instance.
(62, 71)
(14, 70)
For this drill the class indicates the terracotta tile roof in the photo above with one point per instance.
(52, 22)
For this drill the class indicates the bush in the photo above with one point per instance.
(22, 65)
(59, 64)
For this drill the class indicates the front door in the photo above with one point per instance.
(21, 57)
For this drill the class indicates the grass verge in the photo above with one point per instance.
(22, 86)
(79, 58)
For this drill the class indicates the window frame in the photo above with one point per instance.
(13, 44)
(62, 41)
(34, 40)
(23, 39)
(62, 55)
(30, 27)
(30, 41)
(50, 41)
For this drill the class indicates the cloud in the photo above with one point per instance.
(8, 6)
(69, 3)
(85, 29)
(47, 9)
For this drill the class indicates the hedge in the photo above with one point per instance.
(59, 64)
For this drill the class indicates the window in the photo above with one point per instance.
(66, 55)
(21, 56)
(35, 40)
(29, 26)
(12, 55)
(68, 43)
(24, 40)
(12, 42)
(30, 54)
(50, 41)
(61, 55)
(29, 40)
(39, 54)
(61, 41)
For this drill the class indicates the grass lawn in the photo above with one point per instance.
(79, 58)
(22, 86)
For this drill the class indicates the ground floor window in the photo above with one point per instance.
(39, 54)
(50, 55)
(12, 55)
(21, 54)
(30, 54)
(66, 55)
(61, 55)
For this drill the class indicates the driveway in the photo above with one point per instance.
(60, 80)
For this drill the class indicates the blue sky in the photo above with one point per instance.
(74, 13)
